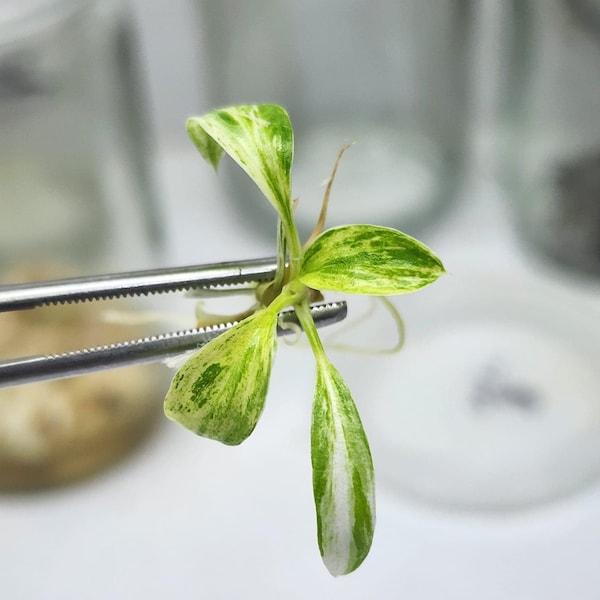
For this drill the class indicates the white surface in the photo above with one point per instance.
(188, 518)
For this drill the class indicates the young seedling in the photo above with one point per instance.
(220, 391)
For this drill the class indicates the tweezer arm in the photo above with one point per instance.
(153, 349)
(135, 283)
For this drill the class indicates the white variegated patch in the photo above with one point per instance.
(343, 478)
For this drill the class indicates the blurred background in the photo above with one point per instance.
(477, 129)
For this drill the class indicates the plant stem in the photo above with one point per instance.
(308, 325)
(279, 280)
(290, 295)
(293, 241)
(320, 226)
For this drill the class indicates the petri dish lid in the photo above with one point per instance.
(494, 403)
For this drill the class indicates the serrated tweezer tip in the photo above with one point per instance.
(232, 275)
(145, 350)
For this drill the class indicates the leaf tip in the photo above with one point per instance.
(210, 150)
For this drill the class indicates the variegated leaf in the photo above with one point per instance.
(259, 138)
(220, 391)
(343, 478)
(367, 259)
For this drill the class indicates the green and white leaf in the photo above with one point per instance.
(259, 138)
(220, 391)
(368, 259)
(343, 477)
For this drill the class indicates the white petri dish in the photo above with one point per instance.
(494, 403)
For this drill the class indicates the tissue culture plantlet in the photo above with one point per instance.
(220, 391)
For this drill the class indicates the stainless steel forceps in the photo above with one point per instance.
(228, 275)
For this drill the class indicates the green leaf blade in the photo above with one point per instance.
(259, 138)
(220, 391)
(368, 259)
(343, 476)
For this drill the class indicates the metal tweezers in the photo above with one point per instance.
(228, 275)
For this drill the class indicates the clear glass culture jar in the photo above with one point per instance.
(76, 198)
(549, 129)
(389, 75)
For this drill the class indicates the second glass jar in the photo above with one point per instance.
(388, 75)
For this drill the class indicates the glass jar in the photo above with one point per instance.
(387, 74)
(77, 199)
(550, 128)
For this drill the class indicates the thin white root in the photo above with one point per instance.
(176, 362)
(391, 309)
(295, 328)
(142, 317)
(207, 319)
(218, 292)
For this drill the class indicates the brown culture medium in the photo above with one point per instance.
(57, 432)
